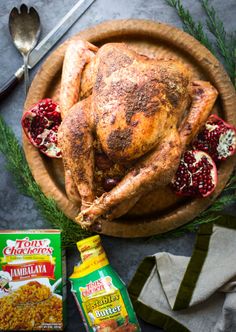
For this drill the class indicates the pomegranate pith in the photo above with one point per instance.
(218, 138)
(41, 125)
(196, 175)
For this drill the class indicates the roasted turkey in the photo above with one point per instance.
(143, 111)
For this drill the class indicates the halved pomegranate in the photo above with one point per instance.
(218, 138)
(41, 124)
(196, 175)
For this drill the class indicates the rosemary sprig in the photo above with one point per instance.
(17, 165)
(225, 44)
(193, 28)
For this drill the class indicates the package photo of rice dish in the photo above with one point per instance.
(31, 281)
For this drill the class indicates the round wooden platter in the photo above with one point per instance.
(162, 210)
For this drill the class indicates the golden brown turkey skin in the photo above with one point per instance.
(135, 107)
(77, 55)
(134, 98)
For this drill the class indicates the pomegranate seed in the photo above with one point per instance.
(198, 178)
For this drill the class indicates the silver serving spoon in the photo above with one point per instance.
(24, 26)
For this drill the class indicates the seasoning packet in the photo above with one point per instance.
(31, 285)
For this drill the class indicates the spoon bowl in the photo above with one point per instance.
(25, 28)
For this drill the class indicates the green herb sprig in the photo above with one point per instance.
(193, 28)
(17, 165)
(225, 44)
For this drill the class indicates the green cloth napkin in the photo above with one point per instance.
(196, 294)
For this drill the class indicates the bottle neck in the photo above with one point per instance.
(93, 257)
(92, 252)
(90, 248)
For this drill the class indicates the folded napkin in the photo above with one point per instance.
(196, 294)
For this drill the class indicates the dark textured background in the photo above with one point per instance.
(17, 211)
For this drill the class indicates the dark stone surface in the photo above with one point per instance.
(17, 211)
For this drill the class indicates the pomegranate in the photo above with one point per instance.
(196, 175)
(41, 124)
(217, 138)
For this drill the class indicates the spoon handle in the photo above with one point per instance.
(56, 284)
(26, 72)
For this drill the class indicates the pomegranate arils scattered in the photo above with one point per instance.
(196, 175)
(217, 138)
(41, 125)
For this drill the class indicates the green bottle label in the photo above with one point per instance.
(104, 302)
